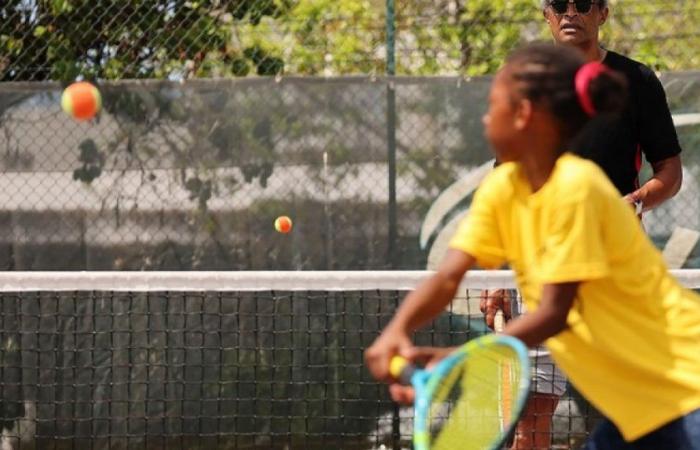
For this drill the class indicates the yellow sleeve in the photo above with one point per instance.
(575, 247)
(478, 233)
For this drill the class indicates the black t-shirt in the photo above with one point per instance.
(645, 126)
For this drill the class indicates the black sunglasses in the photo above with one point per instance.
(561, 6)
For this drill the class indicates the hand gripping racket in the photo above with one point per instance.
(470, 400)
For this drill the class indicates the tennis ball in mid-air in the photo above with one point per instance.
(283, 224)
(81, 100)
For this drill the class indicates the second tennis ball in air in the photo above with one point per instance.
(81, 100)
(283, 224)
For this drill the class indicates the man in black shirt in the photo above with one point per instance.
(644, 129)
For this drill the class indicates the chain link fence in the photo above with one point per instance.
(220, 116)
(117, 39)
(192, 175)
(195, 153)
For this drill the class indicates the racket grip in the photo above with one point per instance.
(499, 321)
(401, 369)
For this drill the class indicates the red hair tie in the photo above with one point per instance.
(584, 75)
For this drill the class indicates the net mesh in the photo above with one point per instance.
(227, 360)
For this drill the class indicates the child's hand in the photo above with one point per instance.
(390, 343)
(424, 357)
(404, 395)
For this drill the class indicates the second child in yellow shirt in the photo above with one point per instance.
(598, 293)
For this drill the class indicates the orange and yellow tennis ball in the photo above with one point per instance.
(283, 224)
(81, 100)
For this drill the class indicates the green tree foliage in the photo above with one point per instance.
(660, 33)
(334, 37)
(466, 37)
(109, 39)
(112, 39)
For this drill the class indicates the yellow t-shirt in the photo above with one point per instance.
(632, 345)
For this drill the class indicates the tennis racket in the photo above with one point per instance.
(499, 321)
(505, 395)
(470, 400)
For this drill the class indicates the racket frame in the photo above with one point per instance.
(426, 382)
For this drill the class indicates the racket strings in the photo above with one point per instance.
(474, 404)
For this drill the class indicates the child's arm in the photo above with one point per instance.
(419, 307)
(549, 318)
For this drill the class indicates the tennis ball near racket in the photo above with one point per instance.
(283, 224)
(81, 100)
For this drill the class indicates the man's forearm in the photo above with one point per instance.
(658, 191)
(664, 184)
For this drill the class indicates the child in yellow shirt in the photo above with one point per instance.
(598, 292)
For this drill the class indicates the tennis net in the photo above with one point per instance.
(225, 360)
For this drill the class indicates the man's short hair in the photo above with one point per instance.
(601, 3)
